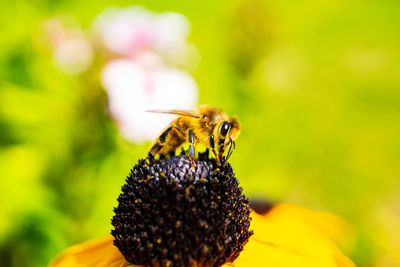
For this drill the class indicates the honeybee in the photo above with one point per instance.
(208, 125)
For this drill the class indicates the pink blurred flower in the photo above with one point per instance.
(73, 56)
(133, 89)
(131, 31)
(145, 50)
(125, 31)
(72, 52)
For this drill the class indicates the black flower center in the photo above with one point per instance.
(172, 215)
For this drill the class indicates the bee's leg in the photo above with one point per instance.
(221, 146)
(191, 148)
(172, 153)
(232, 147)
(153, 151)
(150, 157)
(159, 144)
(212, 145)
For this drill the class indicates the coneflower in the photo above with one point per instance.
(170, 214)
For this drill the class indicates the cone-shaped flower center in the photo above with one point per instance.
(170, 214)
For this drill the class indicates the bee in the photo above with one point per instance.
(208, 125)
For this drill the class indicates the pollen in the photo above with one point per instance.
(187, 191)
(181, 216)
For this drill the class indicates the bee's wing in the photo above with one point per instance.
(177, 112)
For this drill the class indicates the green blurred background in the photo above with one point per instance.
(316, 85)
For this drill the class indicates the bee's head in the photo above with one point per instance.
(227, 133)
(229, 129)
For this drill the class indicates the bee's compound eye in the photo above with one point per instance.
(204, 117)
(225, 127)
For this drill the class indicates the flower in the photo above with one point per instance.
(144, 51)
(133, 30)
(73, 56)
(300, 245)
(176, 215)
(172, 215)
(72, 52)
(132, 89)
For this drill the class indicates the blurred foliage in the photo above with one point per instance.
(315, 85)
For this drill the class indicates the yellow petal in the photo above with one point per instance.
(284, 237)
(327, 224)
(99, 253)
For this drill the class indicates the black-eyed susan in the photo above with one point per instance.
(170, 214)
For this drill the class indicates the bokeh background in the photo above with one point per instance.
(316, 85)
